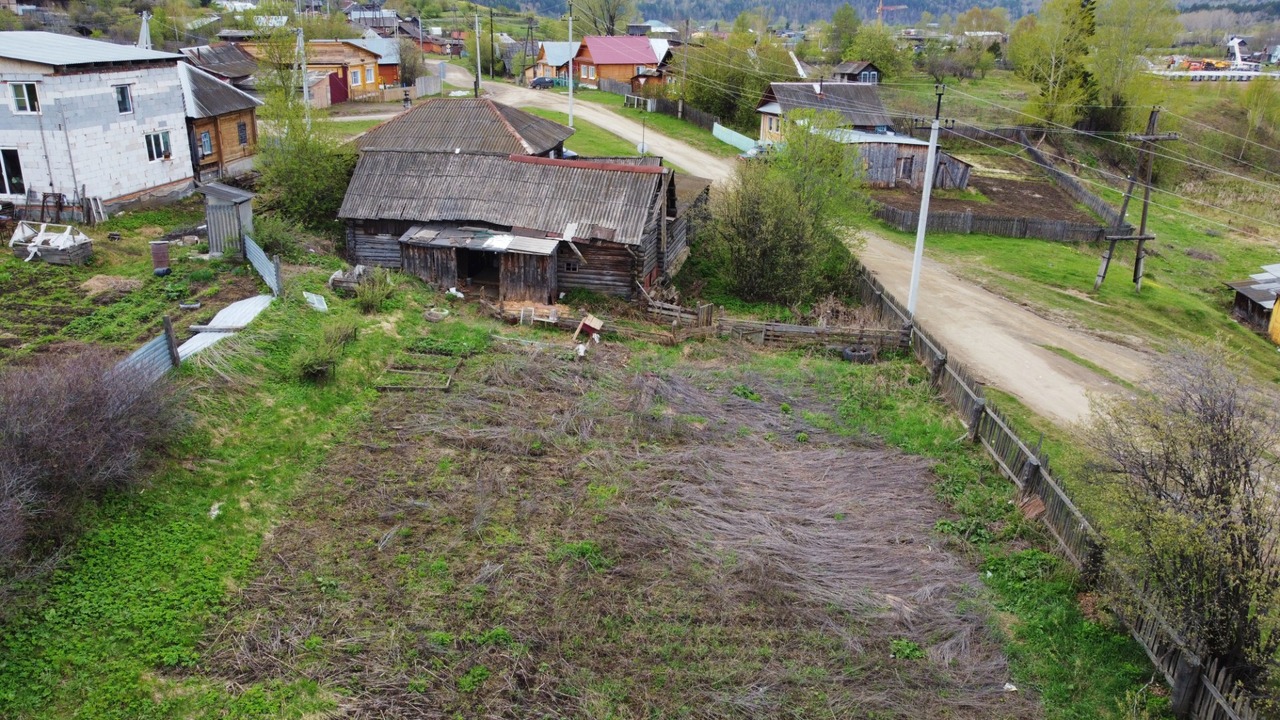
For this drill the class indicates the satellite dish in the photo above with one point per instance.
(642, 148)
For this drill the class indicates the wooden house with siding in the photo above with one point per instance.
(222, 126)
(614, 57)
(527, 227)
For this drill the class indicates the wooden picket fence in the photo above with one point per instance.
(1204, 691)
(967, 223)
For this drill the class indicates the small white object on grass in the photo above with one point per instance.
(1010, 687)
(595, 338)
(215, 511)
(581, 350)
(316, 301)
(453, 291)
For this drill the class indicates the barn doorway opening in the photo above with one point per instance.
(477, 269)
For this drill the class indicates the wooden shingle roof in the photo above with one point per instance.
(516, 191)
(469, 125)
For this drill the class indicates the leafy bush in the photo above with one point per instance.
(372, 292)
(277, 236)
(71, 428)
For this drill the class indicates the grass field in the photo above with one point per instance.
(581, 539)
(672, 127)
(592, 140)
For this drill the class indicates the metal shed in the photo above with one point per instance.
(229, 215)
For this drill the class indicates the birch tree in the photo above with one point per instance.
(1049, 49)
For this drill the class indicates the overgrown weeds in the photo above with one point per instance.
(374, 291)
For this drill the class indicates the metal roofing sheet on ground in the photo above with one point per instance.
(237, 314)
(49, 48)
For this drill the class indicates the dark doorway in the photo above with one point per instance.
(477, 268)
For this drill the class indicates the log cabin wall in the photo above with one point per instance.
(609, 268)
(375, 243)
(527, 277)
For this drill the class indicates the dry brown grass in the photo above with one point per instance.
(559, 539)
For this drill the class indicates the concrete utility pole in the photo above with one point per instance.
(301, 51)
(144, 35)
(917, 260)
(477, 55)
(493, 48)
(570, 63)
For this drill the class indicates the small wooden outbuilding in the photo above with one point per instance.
(229, 217)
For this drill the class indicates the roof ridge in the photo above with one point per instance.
(510, 128)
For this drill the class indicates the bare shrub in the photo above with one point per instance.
(71, 428)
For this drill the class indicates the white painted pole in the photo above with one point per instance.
(917, 261)
(571, 64)
(478, 55)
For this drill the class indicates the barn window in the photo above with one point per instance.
(158, 146)
(570, 266)
(242, 130)
(25, 98)
(906, 166)
(11, 173)
(206, 144)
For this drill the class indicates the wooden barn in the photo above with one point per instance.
(896, 160)
(519, 227)
(1255, 301)
(468, 126)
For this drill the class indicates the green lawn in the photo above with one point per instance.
(672, 127)
(346, 129)
(591, 140)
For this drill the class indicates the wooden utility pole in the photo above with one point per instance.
(1148, 140)
(493, 48)
(1146, 163)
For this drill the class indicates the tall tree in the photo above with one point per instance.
(878, 44)
(1125, 29)
(1049, 49)
(1262, 107)
(844, 29)
(604, 17)
(727, 79)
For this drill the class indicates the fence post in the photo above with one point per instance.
(938, 368)
(275, 263)
(1029, 469)
(1186, 685)
(975, 418)
(171, 341)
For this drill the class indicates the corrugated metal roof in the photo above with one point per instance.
(620, 49)
(467, 125)
(49, 48)
(480, 240)
(223, 59)
(387, 49)
(858, 137)
(206, 96)
(226, 193)
(237, 314)
(859, 104)
(545, 195)
(558, 54)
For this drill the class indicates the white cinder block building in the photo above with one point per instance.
(87, 118)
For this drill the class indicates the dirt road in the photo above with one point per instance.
(690, 159)
(1001, 342)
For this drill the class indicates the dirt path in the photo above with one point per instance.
(1003, 343)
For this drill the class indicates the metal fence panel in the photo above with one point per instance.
(151, 361)
(260, 262)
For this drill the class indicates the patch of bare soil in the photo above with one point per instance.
(561, 539)
(1040, 200)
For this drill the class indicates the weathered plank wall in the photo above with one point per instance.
(527, 277)
(438, 266)
(375, 243)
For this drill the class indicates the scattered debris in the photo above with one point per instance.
(216, 510)
(344, 282)
(189, 305)
(435, 314)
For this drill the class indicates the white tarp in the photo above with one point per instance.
(37, 236)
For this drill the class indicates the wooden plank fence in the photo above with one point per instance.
(1208, 692)
(967, 223)
(1074, 187)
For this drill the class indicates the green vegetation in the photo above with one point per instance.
(588, 140)
(672, 127)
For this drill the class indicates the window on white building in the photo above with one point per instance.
(124, 99)
(158, 146)
(25, 97)
(11, 173)
(206, 144)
